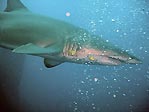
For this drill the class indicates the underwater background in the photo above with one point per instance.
(26, 85)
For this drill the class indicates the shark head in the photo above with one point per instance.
(91, 49)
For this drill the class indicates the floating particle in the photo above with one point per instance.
(95, 79)
(141, 48)
(75, 109)
(94, 108)
(79, 91)
(125, 34)
(82, 82)
(107, 40)
(114, 79)
(68, 14)
(128, 80)
(93, 104)
(92, 89)
(75, 103)
(114, 96)
(105, 78)
(100, 21)
(117, 30)
(130, 67)
(147, 76)
(113, 20)
(41, 69)
(93, 94)
(124, 94)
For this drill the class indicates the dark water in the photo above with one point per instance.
(27, 86)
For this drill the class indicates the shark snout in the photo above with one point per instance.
(124, 57)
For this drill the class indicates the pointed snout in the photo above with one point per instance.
(134, 60)
(124, 57)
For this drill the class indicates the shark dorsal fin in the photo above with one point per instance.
(14, 5)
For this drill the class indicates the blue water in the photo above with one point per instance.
(27, 86)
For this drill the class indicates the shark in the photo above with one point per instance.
(57, 41)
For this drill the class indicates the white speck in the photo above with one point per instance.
(124, 94)
(114, 96)
(75, 103)
(92, 22)
(105, 78)
(145, 51)
(68, 14)
(113, 20)
(130, 67)
(94, 107)
(107, 40)
(41, 69)
(128, 80)
(95, 79)
(92, 89)
(117, 30)
(93, 104)
(86, 92)
(79, 90)
(75, 109)
(147, 76)
(141, 48)
(100, 21)
(114, 79)
(125, 34)
(82, 82)
(130, 105)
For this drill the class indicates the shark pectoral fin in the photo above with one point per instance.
(14, 5)
(51, 63)
(31, 49)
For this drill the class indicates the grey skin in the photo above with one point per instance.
(56, 41)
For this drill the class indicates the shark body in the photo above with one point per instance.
(56, 41)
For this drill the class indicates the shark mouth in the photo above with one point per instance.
(74, 53)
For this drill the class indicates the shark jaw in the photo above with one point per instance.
(89, 55)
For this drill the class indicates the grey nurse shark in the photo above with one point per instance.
(56, 41)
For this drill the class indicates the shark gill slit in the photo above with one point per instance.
(70, 49)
